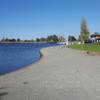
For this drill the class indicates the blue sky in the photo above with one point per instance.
(29, 19)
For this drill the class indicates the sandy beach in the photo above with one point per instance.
(61, 74)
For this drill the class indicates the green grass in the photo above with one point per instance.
(87, 47)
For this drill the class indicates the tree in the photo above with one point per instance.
(71, 38)
(52, 38)
(55, 38)
(79, 38)
(18, 40)
(37, 40)
(43, 39)
(61, 39)
(84, 36)
(49, 39)
(12, 40)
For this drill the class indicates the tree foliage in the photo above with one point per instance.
(71, 38)
(84, 36)
(52, 38)
(61, 39)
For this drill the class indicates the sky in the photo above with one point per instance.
(28, 19)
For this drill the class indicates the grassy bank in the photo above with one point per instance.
(87, 47)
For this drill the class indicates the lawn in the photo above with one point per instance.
(87, 47)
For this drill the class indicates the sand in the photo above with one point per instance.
(61, 74)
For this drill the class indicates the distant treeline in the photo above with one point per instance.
(51, 39)
(48, 39)
(15, 40)
(55, 39)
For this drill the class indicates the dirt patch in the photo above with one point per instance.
(25, 82)
(93, 53)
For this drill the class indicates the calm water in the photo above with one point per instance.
(15, 56)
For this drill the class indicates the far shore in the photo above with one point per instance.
(16, 42)
(24, 42)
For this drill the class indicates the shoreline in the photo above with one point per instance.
(41, 56)
(57, 75)
(89, 53)
(15, 42)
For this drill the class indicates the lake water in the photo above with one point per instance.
(15, 56)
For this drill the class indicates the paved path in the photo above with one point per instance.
(62, 74)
